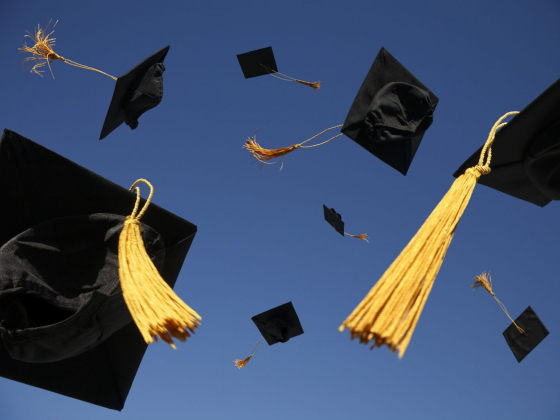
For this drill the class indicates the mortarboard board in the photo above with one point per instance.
(388, 117)
(277, 325)
(49, 195)
(136, 92)
(391, 112)
(262, 62)
(255, 63)
(335, 220)
(526, 160)
(534, 331)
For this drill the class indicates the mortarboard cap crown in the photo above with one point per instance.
(279, 324)
(526, 152)
(136, 92)
(390, 113)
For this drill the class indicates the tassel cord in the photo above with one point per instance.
(242, 363)
(485, 280)
(286, 78)
(42, 49)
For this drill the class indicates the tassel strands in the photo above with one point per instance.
(485, 281)
(266, 155)
(240, 364)
(314, 85)
(154, 306)
(43, 52)
(363, 236)
(389, 313)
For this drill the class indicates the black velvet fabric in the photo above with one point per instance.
(136, 92)
(39, 185)
(278, 324)
(521, 344)
(525, 154)
(391, 112)
(59, 286)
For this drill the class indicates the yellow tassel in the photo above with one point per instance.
(389, 313)
(241, 363)
(485, 280)
(154, 306)
(314, 85)
(43, 52)
(363, 236)
(266, 155)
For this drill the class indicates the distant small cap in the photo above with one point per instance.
(136, 92)
(334, 219)
(252, 62)
(526, 152)
(279, 324)
(535, 332)
(391, 112)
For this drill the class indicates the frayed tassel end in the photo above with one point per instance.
(314, 85)
(484, 280)
(363, 236)
(241, 363)
(42, 49)
(266, 155)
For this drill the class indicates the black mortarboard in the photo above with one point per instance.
(255, 63)
(526, 152)
(391, 112)
(334, 219)
(47, 200)
(279, 324)
(521, 344)
(136, 92)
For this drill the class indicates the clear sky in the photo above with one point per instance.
(262, 240)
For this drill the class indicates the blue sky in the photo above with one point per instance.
(262, 240)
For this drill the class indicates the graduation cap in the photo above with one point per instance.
(277, 325)
(136, 92)
(64, 324)
(262, 62)
(526, 161)
(388, 117)
(534, 331)
(389, 313)
(335, 220)
(523, 334)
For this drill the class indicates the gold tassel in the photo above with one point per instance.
(390, 311)
(363, 236)
(485, 280)
(43, 52)
(240, 364)
(154, 306)
(314, 85)
(266, 155)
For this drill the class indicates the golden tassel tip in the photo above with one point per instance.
(241, 363)
(42, 49)
(265, 155)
